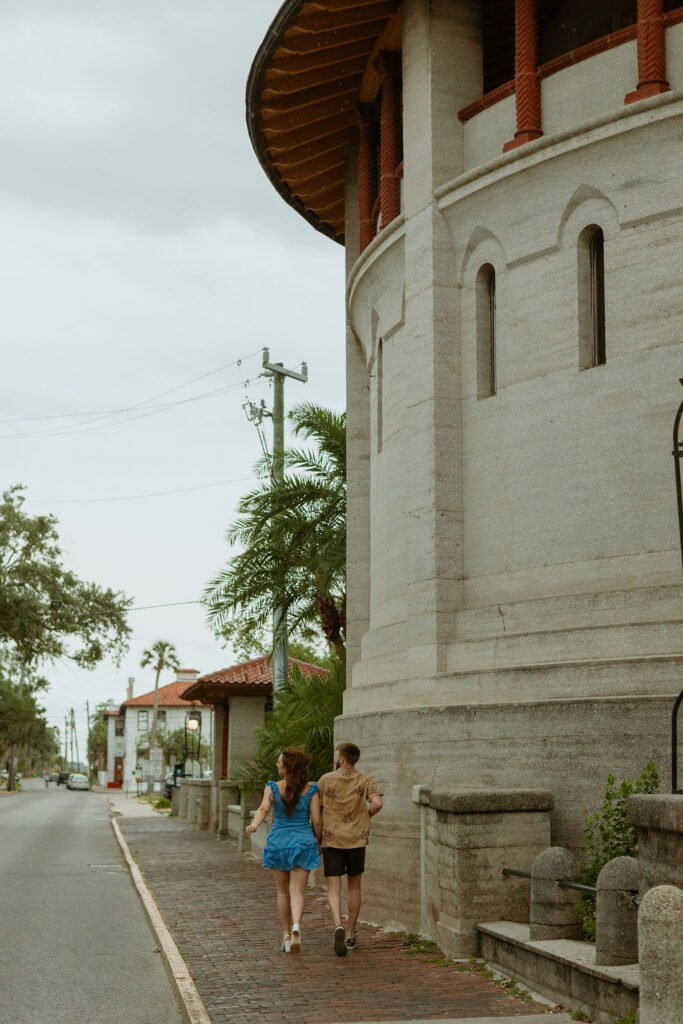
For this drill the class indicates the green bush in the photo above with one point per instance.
(607, 835)
(162, 803)
(302, 716)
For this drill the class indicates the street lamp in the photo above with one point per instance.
(193, 722)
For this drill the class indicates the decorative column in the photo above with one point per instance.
(367, 172)
(527, 85)
(651, 52)
(388, 63)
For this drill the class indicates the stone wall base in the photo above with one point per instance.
(562, 970)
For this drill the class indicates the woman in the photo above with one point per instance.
(291, 850)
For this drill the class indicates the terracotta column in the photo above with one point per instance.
(367, 172)
(651, 52)
(388, 63)
(527, 85)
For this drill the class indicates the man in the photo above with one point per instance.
(348, 799)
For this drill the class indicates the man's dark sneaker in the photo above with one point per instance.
(352, 941)
(340, 940)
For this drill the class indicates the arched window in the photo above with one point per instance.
(486, 331)
(591, 267)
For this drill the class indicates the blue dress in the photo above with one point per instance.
(291, 842)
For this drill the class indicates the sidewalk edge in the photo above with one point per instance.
(191, 1003)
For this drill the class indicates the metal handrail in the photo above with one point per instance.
(562, 882)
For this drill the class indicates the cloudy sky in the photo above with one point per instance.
(143, 247)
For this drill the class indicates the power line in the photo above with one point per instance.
(145, 404)
(171, 604)
(136, 497)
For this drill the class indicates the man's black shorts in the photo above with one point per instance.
(343, 862)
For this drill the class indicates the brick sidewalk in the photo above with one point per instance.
(220, 908)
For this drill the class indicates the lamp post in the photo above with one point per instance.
(193, 722)
(678, 455)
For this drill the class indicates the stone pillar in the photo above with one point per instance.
(616, 913)
(467, 838)
(191, 814)
(651, 52)
(660, 938)
(183, 798)
(527, 85)
(367, 172)
(227, 795)
(388, 64)
(553, 915)
(659, 820)
(204, 803)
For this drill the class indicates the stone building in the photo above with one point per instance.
(505, 176)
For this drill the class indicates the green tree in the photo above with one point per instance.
(303, 715)
(23, 725)
(98, 738)
(46, 611)
(293, 539)
(161, 655)
(173, 745)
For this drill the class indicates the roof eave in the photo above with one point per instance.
(255, 82)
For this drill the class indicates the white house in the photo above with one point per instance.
(133, 720)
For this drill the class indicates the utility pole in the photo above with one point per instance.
(72, 724)
(66, 742)
(87, 752)
(278, 372)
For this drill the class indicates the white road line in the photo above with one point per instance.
(190, 1000)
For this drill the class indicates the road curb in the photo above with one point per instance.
(191, 1004)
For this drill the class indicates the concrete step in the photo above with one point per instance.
(562, 970)
(558, 1018)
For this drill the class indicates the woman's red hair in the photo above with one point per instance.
(295, 762)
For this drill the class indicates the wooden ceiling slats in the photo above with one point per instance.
(319, 173)
(310, 132)
(285, 83)
(310, 88)
(321, 58)
(311, 42)
(275, 103)
(280, 121)
(334, 160)
(290, 158)
(326, 196)
(328, 21)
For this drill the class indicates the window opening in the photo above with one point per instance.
(486, 331)
(142, 720)
(591, 272)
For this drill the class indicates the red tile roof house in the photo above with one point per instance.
(239, 697)
(134, 718)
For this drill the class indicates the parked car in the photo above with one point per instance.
(63, 777)
(78, 781)
(54, 777)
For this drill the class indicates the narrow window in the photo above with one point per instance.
(591, 267)
(120, 727)
(161, 717)
(379, 394)
(486, 331)
(142, 720)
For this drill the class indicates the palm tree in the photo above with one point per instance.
(160, 655)
(294, 542)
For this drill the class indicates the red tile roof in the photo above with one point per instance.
(255, 676)
(169, 696)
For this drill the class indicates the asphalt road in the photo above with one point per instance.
(75, 945)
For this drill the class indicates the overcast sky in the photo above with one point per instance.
(143, 246)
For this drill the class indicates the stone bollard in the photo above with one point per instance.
(616, 915)
(660, 938)
(184, 793)
(553, 914)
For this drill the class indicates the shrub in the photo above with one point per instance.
(607, 835)
(162, 803)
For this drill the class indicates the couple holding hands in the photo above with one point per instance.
(331, 816)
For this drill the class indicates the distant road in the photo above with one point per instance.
(75, 945)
